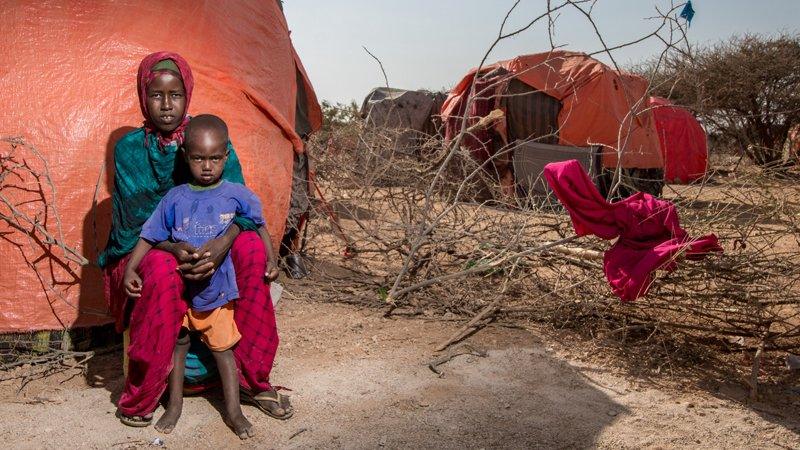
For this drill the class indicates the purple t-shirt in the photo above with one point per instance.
(196, 217)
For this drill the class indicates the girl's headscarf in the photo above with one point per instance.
(148, 69)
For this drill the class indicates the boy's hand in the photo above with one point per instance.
(272, 272)
(132, 284)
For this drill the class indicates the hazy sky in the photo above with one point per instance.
(432, 43)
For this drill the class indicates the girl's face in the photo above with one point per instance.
(166, 102)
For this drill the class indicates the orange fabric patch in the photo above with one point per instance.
(217, 328)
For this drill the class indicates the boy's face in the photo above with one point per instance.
(206, 155)
(166, 101)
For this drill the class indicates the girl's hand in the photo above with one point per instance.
(132, 284)
(210, 255)
(272, 272)
(184, 252)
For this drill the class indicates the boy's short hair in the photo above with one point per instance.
(205, 122)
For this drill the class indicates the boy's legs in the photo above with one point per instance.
(219, 333)
(235, 419)
(174, 408)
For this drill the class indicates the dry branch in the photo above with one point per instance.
(14, 165)
(458, 335)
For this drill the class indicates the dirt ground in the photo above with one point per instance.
(359, 380)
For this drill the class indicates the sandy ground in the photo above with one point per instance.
(361, 381)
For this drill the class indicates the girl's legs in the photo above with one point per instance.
(254, 314)
(174, 408)
(155, 321)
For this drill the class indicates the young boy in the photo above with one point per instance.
(195, 213)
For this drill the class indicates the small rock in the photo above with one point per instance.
(792, 362)
(157, 442)
(612, 413)
(507, 406)
(690, 405)
(737, 340)
(382, 442)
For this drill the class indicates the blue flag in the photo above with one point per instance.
(688, 12)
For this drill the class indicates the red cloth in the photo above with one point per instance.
(143, 79)
(650, 235)
(156, 317)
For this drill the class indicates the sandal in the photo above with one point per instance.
(134, 421)
(271, 397)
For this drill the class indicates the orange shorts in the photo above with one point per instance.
(217, 328)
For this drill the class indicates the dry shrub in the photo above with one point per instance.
(745, 89)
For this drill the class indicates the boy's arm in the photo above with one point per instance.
(272, 263)
(131, 282)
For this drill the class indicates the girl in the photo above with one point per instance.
(146, 167)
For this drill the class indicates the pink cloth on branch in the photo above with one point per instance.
(650, 236)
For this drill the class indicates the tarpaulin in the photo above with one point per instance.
(408, 112)
(68, 87)
(600, 106)
(683, 141)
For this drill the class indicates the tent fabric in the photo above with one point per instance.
(597, 102)
(68, 87)
(683, 141)
(530, 114)
(482, 142)
(530, 159)
(399, 109)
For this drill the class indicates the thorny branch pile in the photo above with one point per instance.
(472, 246)
(32, 226)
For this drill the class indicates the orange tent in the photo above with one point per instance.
(599, 105)
(68, 88)
(683, 141)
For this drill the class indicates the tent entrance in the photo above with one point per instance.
(530, 158)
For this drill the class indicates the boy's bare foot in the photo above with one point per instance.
(168, 420)
(241, 426)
